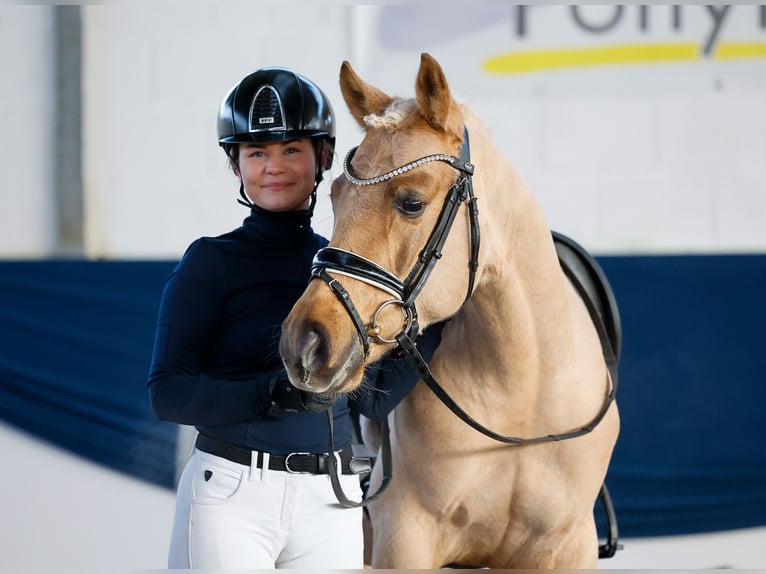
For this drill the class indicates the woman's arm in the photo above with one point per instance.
(190, 313)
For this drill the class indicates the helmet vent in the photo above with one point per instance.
(266, 112)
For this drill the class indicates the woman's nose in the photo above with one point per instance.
(275, 163)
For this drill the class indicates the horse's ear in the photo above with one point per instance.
(361, 98)
(433, 93)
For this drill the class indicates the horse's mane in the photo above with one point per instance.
(393, 115)
(401, 108)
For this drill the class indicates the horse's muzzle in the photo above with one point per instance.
(313, 361)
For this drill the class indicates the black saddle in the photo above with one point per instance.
(588, 278)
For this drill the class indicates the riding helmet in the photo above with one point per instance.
(274, 104)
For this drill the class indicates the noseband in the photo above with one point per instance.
(404, 292)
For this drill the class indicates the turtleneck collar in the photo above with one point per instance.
(282, 226)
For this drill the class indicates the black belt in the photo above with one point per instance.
(295, 462)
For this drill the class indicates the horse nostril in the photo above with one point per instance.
(313, 349)
(311, 342)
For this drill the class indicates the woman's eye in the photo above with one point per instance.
(412, 206)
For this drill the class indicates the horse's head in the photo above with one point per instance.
(390, 207)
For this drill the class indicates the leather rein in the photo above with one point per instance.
(342, 262)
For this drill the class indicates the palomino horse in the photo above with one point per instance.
(519, 353)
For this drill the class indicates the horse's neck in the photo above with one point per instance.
(521, 301)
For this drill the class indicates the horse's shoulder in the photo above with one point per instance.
(586, 274)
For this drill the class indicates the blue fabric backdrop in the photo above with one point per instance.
(75, 345)
(76, 338)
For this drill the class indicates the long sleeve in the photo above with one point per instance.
(189, 316)
(197, 400)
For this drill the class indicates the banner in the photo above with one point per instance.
(76, 340)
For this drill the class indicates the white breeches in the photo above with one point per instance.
(232, 516)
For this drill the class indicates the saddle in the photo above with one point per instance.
(588, 278)
(590, 282)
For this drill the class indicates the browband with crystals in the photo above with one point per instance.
(397, 171)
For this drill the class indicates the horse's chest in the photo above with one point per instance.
(483, 498)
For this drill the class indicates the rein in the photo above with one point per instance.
(425, 373)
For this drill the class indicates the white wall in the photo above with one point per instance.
(156, 178)
(26, 131)
(645, 157)
(648, 157)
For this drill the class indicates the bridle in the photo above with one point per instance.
(340, 261)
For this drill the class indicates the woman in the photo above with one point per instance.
(255, 493)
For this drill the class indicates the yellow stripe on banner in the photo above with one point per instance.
(518, 63)
(732, 50)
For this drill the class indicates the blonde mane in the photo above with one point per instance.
(392, 116)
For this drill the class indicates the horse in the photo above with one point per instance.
(519, 350)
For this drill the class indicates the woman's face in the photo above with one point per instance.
(278, 176)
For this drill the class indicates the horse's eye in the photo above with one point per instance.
(411, 206)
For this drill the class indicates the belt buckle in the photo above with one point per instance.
(287, 463)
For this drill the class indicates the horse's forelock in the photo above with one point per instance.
(392, 116)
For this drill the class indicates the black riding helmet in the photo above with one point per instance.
(276, 104)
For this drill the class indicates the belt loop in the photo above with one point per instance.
(265, 466)
(258, 459)
(254, 465)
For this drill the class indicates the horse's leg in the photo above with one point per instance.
(576, 548)
(408, 543)
(580, 551)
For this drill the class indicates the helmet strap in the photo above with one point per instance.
(319, 146)
(313, 201)
(247, 203)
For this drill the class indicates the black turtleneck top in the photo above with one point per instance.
(216, 347)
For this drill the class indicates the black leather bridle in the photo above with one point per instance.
(340, 261)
